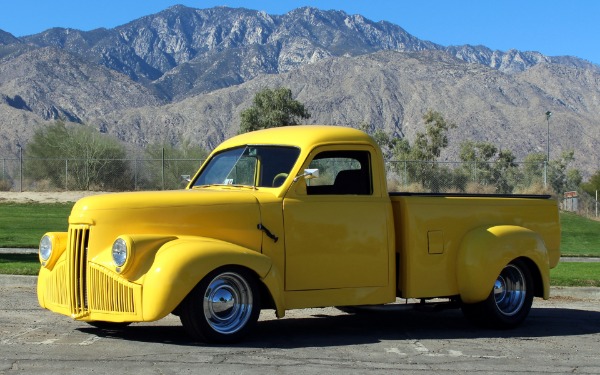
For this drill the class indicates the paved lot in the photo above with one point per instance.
(561, 336)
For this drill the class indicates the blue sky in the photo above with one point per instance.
(552, 27)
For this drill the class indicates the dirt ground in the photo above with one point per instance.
(44, 197)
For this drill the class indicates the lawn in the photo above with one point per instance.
(576, 274)
(19, 264)
(22, 224)
(580, 236)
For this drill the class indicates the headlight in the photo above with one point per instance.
(52, 246)
(120, 252)
(45, 248)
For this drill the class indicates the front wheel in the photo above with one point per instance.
(509, 302)
(223, 307)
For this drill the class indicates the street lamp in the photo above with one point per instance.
(548, 114)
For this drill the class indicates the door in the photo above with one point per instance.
(336, 228)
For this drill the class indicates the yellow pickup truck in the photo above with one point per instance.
(290, 218)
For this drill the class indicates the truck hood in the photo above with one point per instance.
(157, 199)
(228, 215)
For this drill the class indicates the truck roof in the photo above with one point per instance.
(302, 136)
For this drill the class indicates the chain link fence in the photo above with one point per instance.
(31, 174)
(491, 178)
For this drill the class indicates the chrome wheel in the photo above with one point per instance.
(510, 290)
(223, 307)
(509, 301)
(227, 303)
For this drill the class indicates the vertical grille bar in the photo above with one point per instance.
(78, 243)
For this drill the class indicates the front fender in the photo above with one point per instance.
(485, 251)
(180, 264)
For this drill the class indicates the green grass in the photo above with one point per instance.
(576, 274)
(19, 264)
(580, 236)
(22, 224)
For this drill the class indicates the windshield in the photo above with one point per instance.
(257, 166)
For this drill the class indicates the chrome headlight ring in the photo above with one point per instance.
(52, 246)
(45, 248)
(120, 252)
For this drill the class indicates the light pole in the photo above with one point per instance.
(548, 114)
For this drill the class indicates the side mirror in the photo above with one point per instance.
(308, 174)
(311, 173)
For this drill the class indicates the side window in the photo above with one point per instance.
(341, 172)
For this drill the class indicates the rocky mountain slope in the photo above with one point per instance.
(187, 73)
(391, 90)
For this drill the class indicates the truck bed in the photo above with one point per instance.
(430, 229)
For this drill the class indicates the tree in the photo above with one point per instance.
(77, 157)
(178, 161)
(272, 108)
(425, 150)
(533, 171)
(559, 177)
(593, 185)
(390, 144)
(489, 166)
(429, 145)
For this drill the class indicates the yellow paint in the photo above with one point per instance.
(330, 249)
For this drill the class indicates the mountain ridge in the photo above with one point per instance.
(186, 72)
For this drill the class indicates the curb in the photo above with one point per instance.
(575, 292)
(18, 280)
(17, 251)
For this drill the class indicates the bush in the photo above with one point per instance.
(5, 185)
(77, 158)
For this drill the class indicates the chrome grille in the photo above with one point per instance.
(56, 291)
(77, 248)
(109, 294)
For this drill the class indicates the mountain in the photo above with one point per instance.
(187, 73)
(96, 89)
(513, 61)
(206, 49)
(391, 90)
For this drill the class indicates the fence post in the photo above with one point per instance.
(66, 174)
(20, 169)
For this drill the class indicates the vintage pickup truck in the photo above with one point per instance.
(290, 218)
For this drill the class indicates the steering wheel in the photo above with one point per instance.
(279, 176)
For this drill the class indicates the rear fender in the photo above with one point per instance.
(181, 264)
(485, 251)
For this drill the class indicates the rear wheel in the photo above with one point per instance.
(223, 307)
(509, 301)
